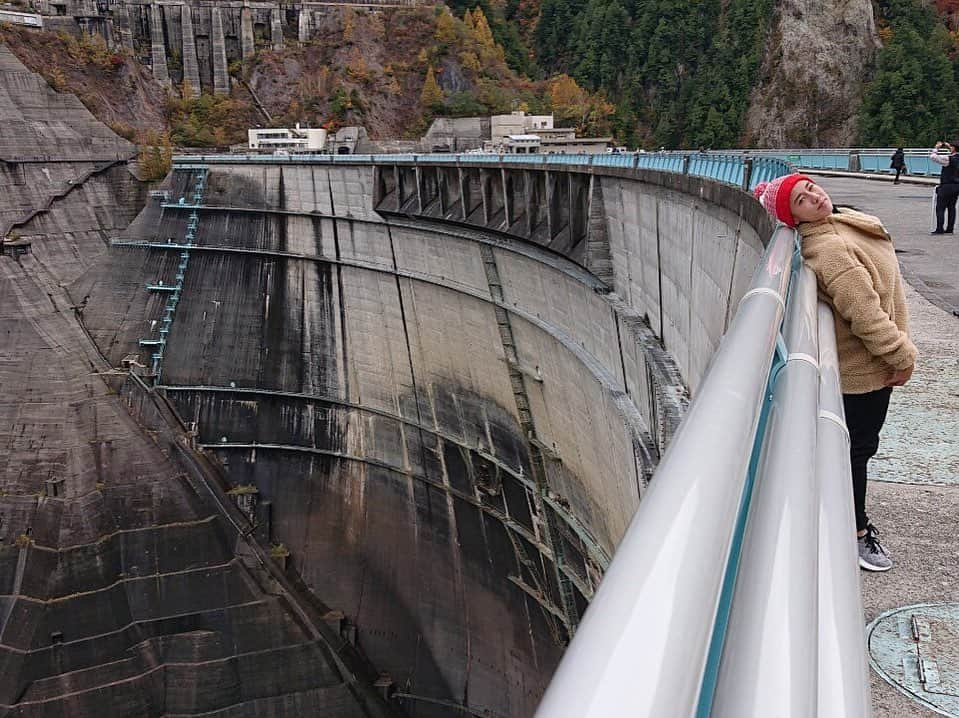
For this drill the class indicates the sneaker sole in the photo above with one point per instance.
(873, 567)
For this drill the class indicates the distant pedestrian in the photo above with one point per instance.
(898, 163)
(858, 276)
(948, 190)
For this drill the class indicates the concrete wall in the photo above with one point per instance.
(448, 426)
(124, 588)
(677, 251)
(241, 29)
(682, 263)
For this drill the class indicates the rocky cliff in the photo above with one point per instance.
(809, 91)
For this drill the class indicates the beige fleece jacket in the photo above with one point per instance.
(858, 275)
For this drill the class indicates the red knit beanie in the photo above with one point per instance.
(774, 196)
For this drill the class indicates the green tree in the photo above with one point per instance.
(553, 39)
(721, 91)
(465, 104)
(912, 97)
(603, 33)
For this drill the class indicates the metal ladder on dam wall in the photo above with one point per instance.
(174, 291)
(538, 454)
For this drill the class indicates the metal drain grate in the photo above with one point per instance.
(916, 649)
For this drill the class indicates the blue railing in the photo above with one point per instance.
(917, 163)
(870, 160)
(725, 166)
(735, 169)
(173, 292)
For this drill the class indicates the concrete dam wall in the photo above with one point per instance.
(194, 41)
(442, 390)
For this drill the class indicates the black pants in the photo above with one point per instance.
(946, 195)
(865, 415)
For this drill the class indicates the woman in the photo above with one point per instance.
(898, 163)
(858, 275)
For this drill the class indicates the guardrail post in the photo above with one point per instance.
(685, 164)
(853, 165)
(747, 172)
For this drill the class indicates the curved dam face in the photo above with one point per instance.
(443, 403)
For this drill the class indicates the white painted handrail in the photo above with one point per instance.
(724, 598)
(643, 644)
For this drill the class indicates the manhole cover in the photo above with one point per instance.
(916, 649)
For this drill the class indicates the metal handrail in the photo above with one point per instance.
(735, 591)
(732, 166)
(771, 635)
(843, 668)
(645, 639)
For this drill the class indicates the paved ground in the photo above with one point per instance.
(929, 262)
(914, 499)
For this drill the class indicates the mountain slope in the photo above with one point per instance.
(678, 73)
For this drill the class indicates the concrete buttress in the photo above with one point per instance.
(157, 47)
(191, 67)
(221, 77)
(246, 33)
(276, 29)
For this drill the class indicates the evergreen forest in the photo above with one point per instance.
(679, 73)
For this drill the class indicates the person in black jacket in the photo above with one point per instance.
(948, 190)
(898, 163)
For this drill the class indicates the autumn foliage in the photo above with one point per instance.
(573, 105)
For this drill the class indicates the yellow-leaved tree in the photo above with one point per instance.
(349, 24)
(484, 36)
(431, 98)
(571, 103)
(445, 28)
(156, 155)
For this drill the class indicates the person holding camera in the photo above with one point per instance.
(948, 190)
